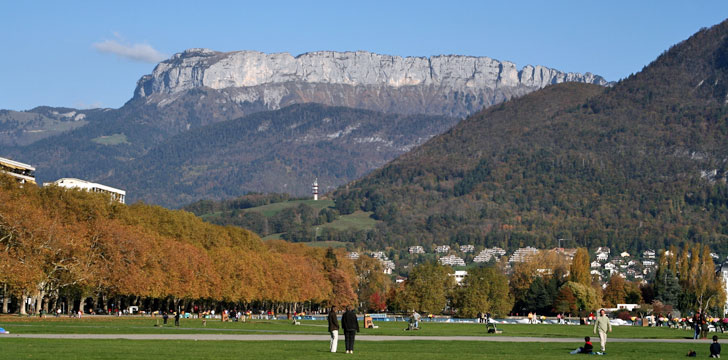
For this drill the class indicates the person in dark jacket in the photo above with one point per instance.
(715, 348)
(351, 327)
(588, 348)
(333, 329)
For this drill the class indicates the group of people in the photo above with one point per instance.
(349, 324)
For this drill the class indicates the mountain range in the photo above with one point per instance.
(394, 104)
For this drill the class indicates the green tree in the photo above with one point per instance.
(484, 290)
(429, 287)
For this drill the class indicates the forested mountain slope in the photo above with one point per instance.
(638, 165)
(273, 151)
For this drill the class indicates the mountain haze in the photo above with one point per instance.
(639, 165)
(282, 150)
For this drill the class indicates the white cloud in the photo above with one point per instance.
(136, 52)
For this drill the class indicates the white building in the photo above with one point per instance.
(353, 255)
(416, 249)
(442, 249)
(380, 255)
(459, 276)
(602, 256)
(467, 248)
(486, 254)
(596, 264)
(388, 266)
(648, 263)
(648, 254)
(522, 254)
(71, 183)
(23, 172)
(624, 254)
(452, 260)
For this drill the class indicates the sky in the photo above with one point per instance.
(85, 54)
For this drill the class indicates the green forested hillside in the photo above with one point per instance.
(277, 216)
(639, 165)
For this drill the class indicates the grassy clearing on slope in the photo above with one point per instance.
(272, 209)
(60, 349)
(114, 139)
(359, 220)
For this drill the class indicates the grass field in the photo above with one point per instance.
(115, 139)
(359, 220)
(58, 349)
(272, 209)
(146, 325)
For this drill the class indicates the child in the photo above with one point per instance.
(715, 348)
(588, 348)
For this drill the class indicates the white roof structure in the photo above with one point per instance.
(23, 172)
(72, 183)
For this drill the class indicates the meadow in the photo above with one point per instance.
(148, 325)
(61, 349)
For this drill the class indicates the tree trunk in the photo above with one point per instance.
(21, 306)
(39, 302)
(6, 298)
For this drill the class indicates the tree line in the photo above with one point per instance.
(66, 246)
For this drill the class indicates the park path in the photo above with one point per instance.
(290, 337)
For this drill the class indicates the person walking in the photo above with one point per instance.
(602, 327)
(696, 324)
(351, 327)
(176, 318)
(333, 329)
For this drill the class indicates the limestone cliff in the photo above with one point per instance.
(447, 84)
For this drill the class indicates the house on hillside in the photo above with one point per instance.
(71, 183)
(522, 254)
(467, 248)
(602, 256)
(648, 254)
(388, 266)
(353, 255)
(452, 260)
(416, 249)
(440, 249)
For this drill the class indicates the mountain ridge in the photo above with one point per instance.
(638, 165)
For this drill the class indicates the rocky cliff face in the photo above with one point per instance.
(444, 85)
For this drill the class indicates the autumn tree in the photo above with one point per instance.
(373, 283)
(615, 292)
(580, 268)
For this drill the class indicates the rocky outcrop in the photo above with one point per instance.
(444, 85)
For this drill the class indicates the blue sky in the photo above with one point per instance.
(91, 53)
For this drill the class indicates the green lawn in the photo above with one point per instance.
(359, 220)
(114, 139)
(327, 244)
(139, 325)
(58, 349)
(272, 209)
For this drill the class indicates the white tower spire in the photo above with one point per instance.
(314, 189)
